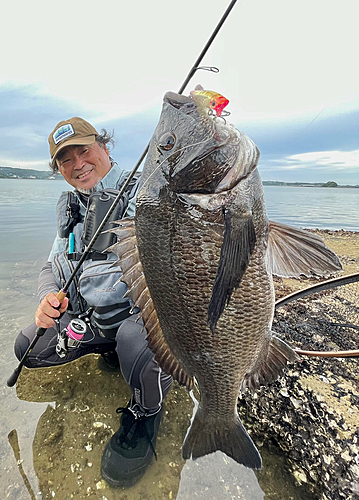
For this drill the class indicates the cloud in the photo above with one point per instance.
(36, 165)
(333, 159)
(314, 166)
(27, 118)
(274, 58)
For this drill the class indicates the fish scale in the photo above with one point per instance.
(181, 296)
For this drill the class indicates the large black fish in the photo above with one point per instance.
(199, 261)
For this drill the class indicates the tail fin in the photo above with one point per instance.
(204, 437)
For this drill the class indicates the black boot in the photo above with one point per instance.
(108, 362)
(130, 450)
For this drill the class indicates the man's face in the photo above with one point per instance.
(84, 166)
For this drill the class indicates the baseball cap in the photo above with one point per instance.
(75, 131)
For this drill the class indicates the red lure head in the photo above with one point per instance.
(210, 99)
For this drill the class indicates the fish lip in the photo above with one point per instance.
(233, 176)
(177, 100)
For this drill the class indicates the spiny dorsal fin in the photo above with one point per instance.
(270, 368)
(133, 276)
(293, 252)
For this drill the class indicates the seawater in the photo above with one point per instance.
(314, 207)
(28, 212)
(27, 229)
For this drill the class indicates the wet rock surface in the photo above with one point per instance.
(312, 412)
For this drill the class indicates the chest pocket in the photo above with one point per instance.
(97, 285)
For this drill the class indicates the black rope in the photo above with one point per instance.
(325, 285)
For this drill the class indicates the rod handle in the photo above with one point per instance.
(14, 376)
(39, 333)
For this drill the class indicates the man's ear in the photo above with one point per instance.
(106, 150)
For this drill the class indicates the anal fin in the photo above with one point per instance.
(270, 367)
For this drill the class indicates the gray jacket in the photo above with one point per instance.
(95, 285)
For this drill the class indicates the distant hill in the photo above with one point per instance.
(329, 184)
(26, 173)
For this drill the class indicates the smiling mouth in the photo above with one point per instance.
(84, 175)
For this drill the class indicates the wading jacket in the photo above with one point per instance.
(94, 287)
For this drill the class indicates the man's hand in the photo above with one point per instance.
(47, 310)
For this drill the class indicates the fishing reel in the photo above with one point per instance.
(70, 337)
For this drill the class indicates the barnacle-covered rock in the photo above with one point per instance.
(312, 413)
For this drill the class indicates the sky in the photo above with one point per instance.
(289, 69)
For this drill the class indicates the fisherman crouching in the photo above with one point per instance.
(96, 316)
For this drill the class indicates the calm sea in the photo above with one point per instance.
(28, 213)
(313, 207)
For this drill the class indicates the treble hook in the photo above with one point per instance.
(215, 117)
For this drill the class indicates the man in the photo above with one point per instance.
(82, 156)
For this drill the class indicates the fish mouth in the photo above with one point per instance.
(179, 101)
(217, 168)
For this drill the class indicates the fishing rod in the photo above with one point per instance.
(325, 285)
(63, 292)
(14, 443)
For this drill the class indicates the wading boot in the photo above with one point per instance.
(108, 362)
(130, 450)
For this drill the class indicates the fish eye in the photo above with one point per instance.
(167, 141)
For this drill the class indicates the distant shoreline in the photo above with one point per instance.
(265, 183)
(32, 178)
(308, 184)
(27, 173)
(31, 174)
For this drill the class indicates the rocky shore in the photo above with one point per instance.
(312, 413)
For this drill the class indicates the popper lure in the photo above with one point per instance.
(210, 99)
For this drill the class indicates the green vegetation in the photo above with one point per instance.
(332, 184)
(25, 173)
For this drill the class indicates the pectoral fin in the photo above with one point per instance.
(293, 252)
(238, 244)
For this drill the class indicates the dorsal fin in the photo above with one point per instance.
(133, 276)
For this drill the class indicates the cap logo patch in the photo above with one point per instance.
(63, 132)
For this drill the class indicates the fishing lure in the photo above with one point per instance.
(210, 99)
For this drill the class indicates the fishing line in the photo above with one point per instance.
(175, 152)
(320, 112)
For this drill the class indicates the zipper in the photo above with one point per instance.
(59, 268)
